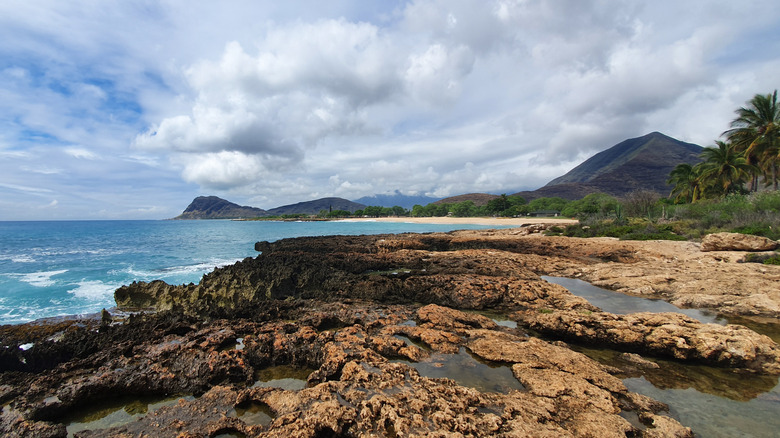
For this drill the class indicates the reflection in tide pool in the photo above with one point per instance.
(621, 304)
(284, 377)
(466, 370)
(118, 412)
(253, 413)
(714, 402)
(713, 416)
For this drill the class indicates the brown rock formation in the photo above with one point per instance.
(661, 334)
(355, 390)
(367, 314)
(736, 242)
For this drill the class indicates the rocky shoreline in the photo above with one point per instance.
(361, 313)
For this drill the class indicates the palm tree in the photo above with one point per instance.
(685, 179)
(724, 170)
(755, 132)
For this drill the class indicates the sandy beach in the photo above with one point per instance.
(497, 221)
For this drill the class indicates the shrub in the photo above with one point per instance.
(553, 231)
(766, 201)
(640, 203)
(774, 260)
(767, 259)
(756, 230)
(664, 235)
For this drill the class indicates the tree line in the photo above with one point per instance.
(748, 156)
(503, 206)
(507, 206)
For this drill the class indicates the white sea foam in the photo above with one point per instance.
(18, 258)
(93, 289)
(17, 314)
(40, 279)
(49, 252)
(175, 271)
(198, 267)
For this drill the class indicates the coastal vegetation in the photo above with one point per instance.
(734, 188)
(749, 156)
(640, 215)
(640, 219)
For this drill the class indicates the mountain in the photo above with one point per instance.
(317, 205)
(212, 207)
(479, 199)
(641, 163)
(397, 198)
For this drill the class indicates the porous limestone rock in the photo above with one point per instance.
(355, 390)
(736, 242)
(661, 334)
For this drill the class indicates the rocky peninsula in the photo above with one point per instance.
(365, 322)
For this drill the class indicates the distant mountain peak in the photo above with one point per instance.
(479, 199)
(641, 163)
(654, 149)
(396, 198)
(213, 207)
(317, 205)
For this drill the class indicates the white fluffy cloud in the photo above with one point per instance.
(222, 170)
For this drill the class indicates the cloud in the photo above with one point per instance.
(273, 103)
(222, 170)
(80, 153)
(27, 189)
(43, 170)
(306, 83)
(434, 75)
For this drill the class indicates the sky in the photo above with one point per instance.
(130, 109)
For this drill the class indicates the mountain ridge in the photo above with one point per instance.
(624, 153)
(479, 199)
(641, 163)
(213, 207)
(397, 198)
(317, 205)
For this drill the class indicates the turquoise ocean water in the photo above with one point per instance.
(52, 269)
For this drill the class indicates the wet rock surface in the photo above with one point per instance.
(361, 311)
(356, 389)
(672, 335)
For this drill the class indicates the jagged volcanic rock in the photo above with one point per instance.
(363, 315)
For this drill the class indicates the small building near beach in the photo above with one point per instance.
(545, 213)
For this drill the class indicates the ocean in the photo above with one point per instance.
(50, 269)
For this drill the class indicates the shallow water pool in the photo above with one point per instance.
(466, 370)
(619, 303)
(118, 412)
(285, 377)
(714, 402)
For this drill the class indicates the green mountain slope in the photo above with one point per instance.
(479, 199)
(212, 207)
(641, 163)
(317, 205)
